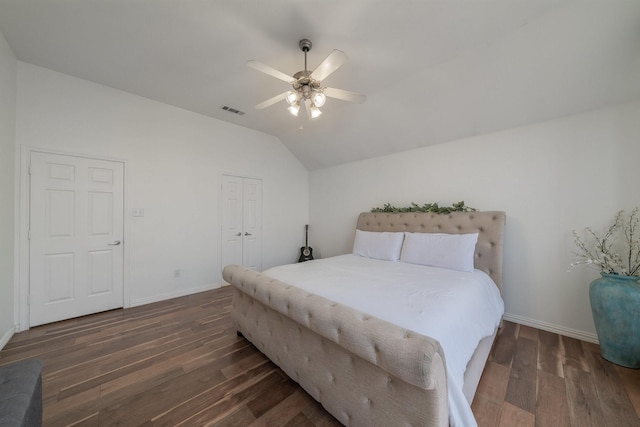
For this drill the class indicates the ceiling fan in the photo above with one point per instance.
(307, 88)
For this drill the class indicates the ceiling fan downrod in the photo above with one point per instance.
(305, 46)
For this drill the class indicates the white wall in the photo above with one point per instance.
(550, 178)
(174, 161)
(8, 65)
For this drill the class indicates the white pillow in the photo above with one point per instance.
(452, 251)
(379, 245)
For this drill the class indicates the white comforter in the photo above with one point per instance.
(456, 308)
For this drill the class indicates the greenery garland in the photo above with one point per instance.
(428, 207)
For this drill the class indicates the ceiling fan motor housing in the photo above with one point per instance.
(305, 84)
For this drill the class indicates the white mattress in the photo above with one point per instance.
(456, 308)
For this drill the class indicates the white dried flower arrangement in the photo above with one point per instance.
(606, 253)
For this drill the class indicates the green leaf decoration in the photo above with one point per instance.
(427, 207)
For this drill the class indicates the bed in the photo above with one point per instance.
(367, 365)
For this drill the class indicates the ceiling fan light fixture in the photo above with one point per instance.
(315, 112)
(306, 86)
(292, 97)
(319, 99)
(294, 109)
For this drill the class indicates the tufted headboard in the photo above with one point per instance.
(489, 225)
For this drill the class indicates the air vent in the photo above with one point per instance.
(233, 110)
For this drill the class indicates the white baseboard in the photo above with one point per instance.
(7, 336)
(550, 327)
(176, 294)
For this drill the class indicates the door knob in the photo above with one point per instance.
(115, 243)
(247, 234)
(239, 234)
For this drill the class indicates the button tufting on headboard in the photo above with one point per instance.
(490, 225)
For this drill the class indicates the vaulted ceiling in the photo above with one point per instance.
(432, 70)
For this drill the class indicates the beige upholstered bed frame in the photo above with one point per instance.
(364, 371)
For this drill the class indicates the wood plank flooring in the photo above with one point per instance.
(538, 378)
(179, 362)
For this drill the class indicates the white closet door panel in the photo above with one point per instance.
(100, 214)
(60, 212)
(252, 223)
(76, 252)
(231, 220)
(241, 222)
(59, 277)
(100, 273)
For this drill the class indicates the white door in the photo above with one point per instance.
(242, 222)
(252, 224)
(76, 237)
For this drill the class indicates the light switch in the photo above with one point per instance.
(137, 212)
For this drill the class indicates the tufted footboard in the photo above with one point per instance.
(363, 370)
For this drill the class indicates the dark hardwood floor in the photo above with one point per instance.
(179, 362)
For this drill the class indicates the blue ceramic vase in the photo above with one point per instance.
(615, 304)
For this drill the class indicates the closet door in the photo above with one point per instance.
(241, 222)
(252, 223)
(76, 233)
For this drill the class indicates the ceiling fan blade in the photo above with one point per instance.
(270, 71)
(269, 102)
(345, 95)
(331, 63)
